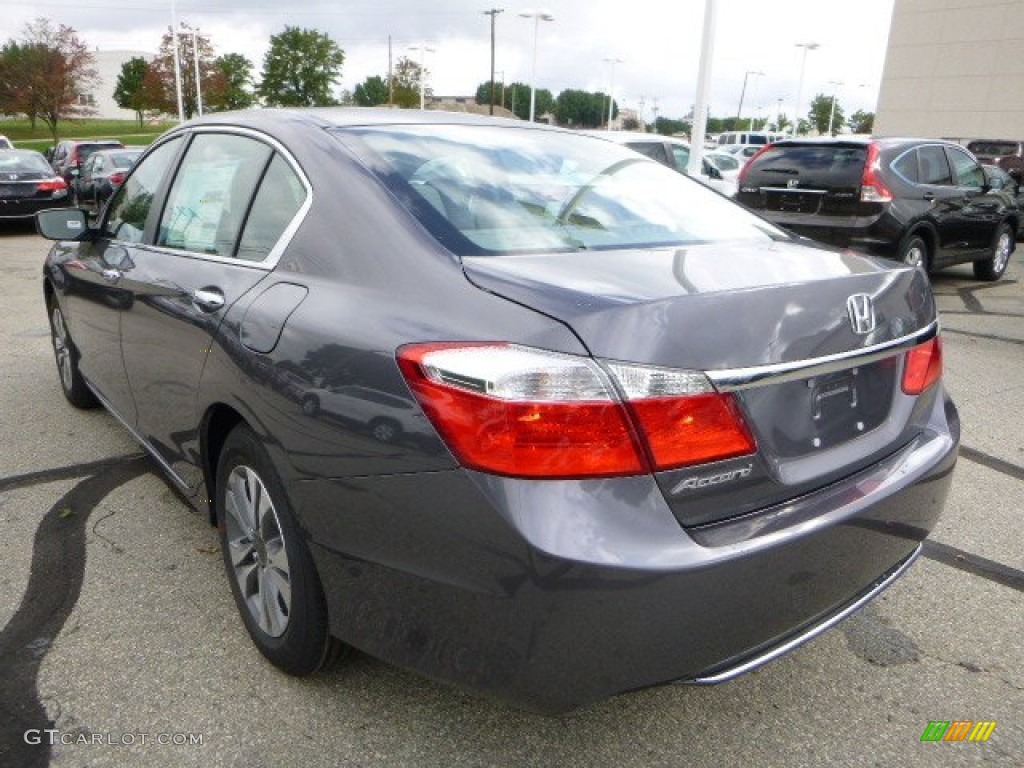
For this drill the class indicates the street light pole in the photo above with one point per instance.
(611, 89)
(424, 50)
(743, 92)
(800, 86)
(700, 110)
(177, 63)
(832, 113)
(492, 13)
(537, 17)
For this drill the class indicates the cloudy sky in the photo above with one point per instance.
(658, 42)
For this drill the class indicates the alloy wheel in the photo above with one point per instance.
(259, 557)
(62, 348)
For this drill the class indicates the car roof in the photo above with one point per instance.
(328, 117)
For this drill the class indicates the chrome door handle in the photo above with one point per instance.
(112, 275)
(208, 299)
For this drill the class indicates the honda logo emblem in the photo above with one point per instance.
(791, 183)
(862, 313)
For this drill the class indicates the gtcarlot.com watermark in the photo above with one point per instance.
(53, 737)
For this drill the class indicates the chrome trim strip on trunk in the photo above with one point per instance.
(808, 634)
(737, 379)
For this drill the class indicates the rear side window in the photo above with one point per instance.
(280, 197)
(651, 149)
(906, 166)
(682, 157)
(966, 172)
(130, 207)
(932, 166)
(211, 193)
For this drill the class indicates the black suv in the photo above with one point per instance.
(921, 201)
(69, 156)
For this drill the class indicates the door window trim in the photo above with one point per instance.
(270, 262)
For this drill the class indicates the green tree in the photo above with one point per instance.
(372, 92)
(300, 69)
(406, 83)
(668, 126)
(159, 81)
(782, 123)
(861, 121)
(230, 84)
(130, 92)
(581, 109)
(48, 76)
(820, 111)
(517, 98)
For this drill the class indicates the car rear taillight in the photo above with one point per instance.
(56, 187)
(524, 412)
(923, 366)
(872, 188)
(116, 178)
(746, 166)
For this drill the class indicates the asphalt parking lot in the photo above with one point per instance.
(120, 644)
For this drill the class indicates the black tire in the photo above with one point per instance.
(994, 266)
(385, 430)
(914, 252)
(290, 630)
(66, 355)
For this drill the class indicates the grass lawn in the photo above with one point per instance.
(127, 131)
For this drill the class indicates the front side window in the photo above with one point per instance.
(210, 197)
(484, 190)
(967, 172)
(932, 166)
(126, 219)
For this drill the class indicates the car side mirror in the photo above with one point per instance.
(62, 224)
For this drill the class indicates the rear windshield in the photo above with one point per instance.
(993, 148)
(124, 159)
(495, 190)
(23, 161)
(828, 165)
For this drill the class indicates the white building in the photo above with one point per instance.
(108, 66)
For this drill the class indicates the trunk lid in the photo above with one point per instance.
(726, 309)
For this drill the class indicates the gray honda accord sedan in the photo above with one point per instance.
(507, 405)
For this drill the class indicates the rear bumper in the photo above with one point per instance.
(552, 595)
(877, 233)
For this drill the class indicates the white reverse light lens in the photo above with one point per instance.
(640, 382)
(509, 372)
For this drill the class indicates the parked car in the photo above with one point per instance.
(667, 440)
(5, 143)
(920, 201)
(101, 174)
(741, 152)
(28, 184)
(675, 153)
(1008, 155)
(1002, 182)
(69, 156)
(756, 138)
(385, 416)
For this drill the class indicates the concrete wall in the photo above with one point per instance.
(954, 69)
